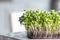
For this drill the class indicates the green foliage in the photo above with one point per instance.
(36, 20)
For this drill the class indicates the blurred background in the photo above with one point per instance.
(10, 10)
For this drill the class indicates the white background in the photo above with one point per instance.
(16, 26)
(18, 5)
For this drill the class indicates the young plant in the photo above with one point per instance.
(41, 21)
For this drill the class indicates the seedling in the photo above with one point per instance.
(41, 21)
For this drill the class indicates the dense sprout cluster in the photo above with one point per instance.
(35, 20)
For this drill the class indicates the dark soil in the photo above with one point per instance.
(43, 36)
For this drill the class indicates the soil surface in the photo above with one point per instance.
(43, 36)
